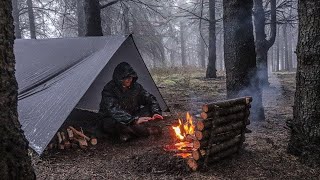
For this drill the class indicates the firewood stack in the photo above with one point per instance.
(71, 138)
(220, 132)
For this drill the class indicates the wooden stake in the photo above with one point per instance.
(82, 142)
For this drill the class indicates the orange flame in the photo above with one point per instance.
(183, 129)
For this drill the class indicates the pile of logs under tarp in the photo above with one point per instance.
(220, 132)
(71, 138)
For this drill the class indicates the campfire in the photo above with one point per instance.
(184, 133)
(219, 133)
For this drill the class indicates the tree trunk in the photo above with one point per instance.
(172, 58)
(262, 44)
(125, 22)
(81, 18)
(285, 41)
(277, 63)
(290, 62)
(305, 126)
(93, 18)
(221, 52)
(14, 160)
(183, 45)
(239, 54)
(31, 20)
(15, 13)
(271, 58)
(211, 69)
(202, 52)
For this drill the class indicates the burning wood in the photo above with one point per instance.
(220, 133)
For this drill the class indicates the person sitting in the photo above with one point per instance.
(126, 107)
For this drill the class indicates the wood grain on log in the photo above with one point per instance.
(200, 135)
(227, 103)
(225, 145)
(224, 111)
(218, 138)
(229, 127)
(223, 154)
(207, 123)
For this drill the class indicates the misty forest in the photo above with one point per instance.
(238, 82)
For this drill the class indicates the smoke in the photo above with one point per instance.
(263, 96)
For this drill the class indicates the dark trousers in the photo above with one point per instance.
(114, 128)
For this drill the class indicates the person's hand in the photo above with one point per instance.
(157, 116)
(143, 120)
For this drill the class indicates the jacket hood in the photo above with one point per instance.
(122, 71)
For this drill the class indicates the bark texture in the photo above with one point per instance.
(81, 18)
(183, 45)
(262, 44)
(93, 18)
(14, 160)
(239, 54)
(201, 52)
(31, 20)
(15, 13)
(305, 126)
(211, 69)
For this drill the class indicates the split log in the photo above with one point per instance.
(70, 133)
(79, 133)
(82, 142)
(60, 145)
(65, 141)
(201, 135)
(224, 111)
(218, 138)
(59, 137)
(227, 103)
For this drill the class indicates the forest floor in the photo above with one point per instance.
(263, 156)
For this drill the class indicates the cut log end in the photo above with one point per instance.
(192, 164)
(196, 155)
(93, 141)
(199, 135)
(204, 115)
(196, 144)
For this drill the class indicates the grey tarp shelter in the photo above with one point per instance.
(57, 75)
